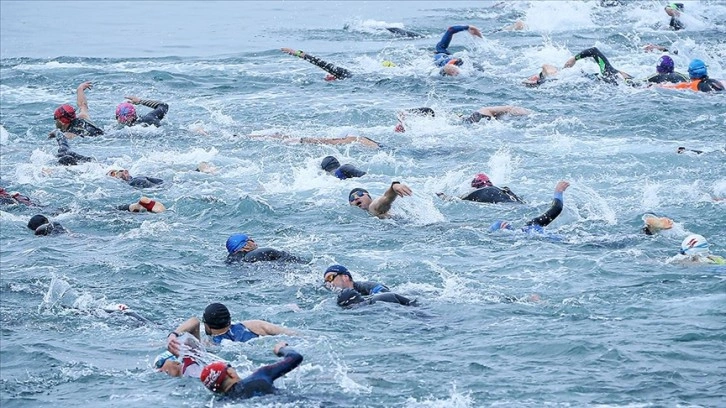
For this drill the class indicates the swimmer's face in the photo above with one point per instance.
(362, 200)
(451, 70)
(337, 281)
(250, 246)
(136, 207)
(172, 368)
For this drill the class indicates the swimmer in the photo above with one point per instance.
(126, 112)
(137, 182)
(486, 192)
(333, 71)
(665, 72)
(674, 12)
(537, 225)
(487, 112)
(699, 80)
(76, 125)
(653, 223)
(204, 167)
(41, 225)
(14, 198)
(379, 207)
(171, 365)
(608, 73)
(695, 249)
(682, 150)
(143, 205)
(242, 248)
(365, 141)
(220, 378)
(332, 166)
(442, 57)
(218, 326)
(403, 33)
(350, 298)
(338, 277)
(65, 155)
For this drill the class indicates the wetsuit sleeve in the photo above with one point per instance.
(337, 72)
(291, 360)
(159, 111)
(710, 85)
(605, 67)
(394, 298)
(348, 171)
(443, 45)
(552, 213)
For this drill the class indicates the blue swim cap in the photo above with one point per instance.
(339, 269)
(697, 69)
(162, 358)
(497, 225)
(235, 242)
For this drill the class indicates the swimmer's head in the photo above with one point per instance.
(213, 375)
(665, 65)
(349, 297)
(125, 113)
(329, 163)
(216, 316)
(168, 363)
(333, 272)
(120, 174)
(694, 244)
(497, 225)
(450, 70)
(37, 220)
(481, 180)
(388, 64)
(64, 115)
(360, 197)
(235, 242)
(697, 69)
(675, 6)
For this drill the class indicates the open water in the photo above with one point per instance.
(616, 324)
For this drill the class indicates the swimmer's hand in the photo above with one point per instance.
(84, 86)
(297, 53)
(570, 62)
(172, 344)
(279, 346)
(133, 99)
(474, 31)
(401, 189)
(562, 186)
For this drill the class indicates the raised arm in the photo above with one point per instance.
(382, 204)
(263, 328)
(190, 326)
(443, 44)
(81, 100)
(555, 209)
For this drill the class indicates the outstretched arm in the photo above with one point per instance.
(443, 44)
(382, 204)
(335, 71)
(555, 209)
(341, 140)
(159, 108)
(81, 100)
(263, 328)
(606, 68)
(497, 111)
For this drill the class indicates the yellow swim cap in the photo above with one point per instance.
(387, 63)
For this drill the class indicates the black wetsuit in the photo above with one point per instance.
(352, 298)
(366, 288)
(261, 381)
(154, 117)
(476, 117)
(337, 72)
(492, 194)
(403, 33)
(51, 228)
(545, 219)
(608, 73)
(65, 155)
(263, 254)
(707, 84)
(144, 182)
(83, 128)
(672, 77)
(347, 171)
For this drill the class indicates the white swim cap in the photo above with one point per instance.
(694, 244)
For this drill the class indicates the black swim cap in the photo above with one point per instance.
(349, 297)
(124, 207)
(36, 221)
(330, 163)
(216, 316)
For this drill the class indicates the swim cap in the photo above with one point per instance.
(481, 180)
(353, 195)
(697, 69)
(388, 64)
(216, 316)
(349, 297)
(339, 269)
(213, 375)
(497, 225)
(162, 358)
(330, 163)
(694, 244)
(65, 114)
(235, 242)
(125, 112)
(665, 65)
(36, 221)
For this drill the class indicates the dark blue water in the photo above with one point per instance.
(616, 324)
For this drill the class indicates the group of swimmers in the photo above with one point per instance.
(186, 355)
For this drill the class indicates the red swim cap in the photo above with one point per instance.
(65, 114)
(481, 180)
(213, 375)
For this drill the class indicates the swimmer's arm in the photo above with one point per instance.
(81, 100)
(263, 328)
(382, 204)
(590, 52)
(497, 111)
(337, 72)
(190, 326)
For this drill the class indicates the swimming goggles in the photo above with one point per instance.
(331, 277)
(356, 195)
(162, 359)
